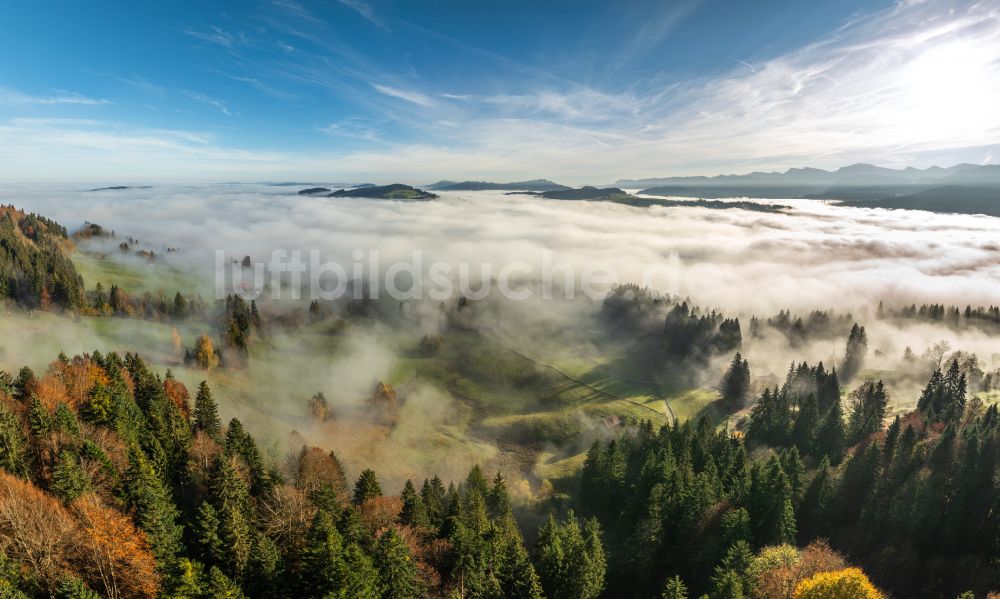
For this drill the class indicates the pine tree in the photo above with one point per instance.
(728, 580)
(155, 511)
(831, 437)
(868, 407)
(413, 512)
(231, 499)
(857, 350)
(221, 586)
(206, 412)
(432, 494)
(674, 589)
(736, 383)
(264, 568)
(99, 408)
(518, 578)
(322, 560)
(570, 563)
(69, 481)
(25, 384)
(13, 445)
(397, 572)
(367, 487)
(211, 547)
(817, 503)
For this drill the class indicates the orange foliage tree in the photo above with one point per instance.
(113, 551)
(177, 393)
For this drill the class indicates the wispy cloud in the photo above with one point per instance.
(409, 96)
(13, 96)
(364, 9)
(353, 128)
(259, 85)
(215, 35)
(143, 85)
(210, 101)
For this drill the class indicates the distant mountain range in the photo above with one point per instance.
(963, 188)
(855, 175)
(533, 185)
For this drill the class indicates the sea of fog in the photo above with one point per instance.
(815, 255)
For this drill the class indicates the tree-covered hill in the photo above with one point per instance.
(35, 270)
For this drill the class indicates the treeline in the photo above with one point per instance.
(915, 503)
(146, 305)
(114, 482)
(971, 316)
(34, 271)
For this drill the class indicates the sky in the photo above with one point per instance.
(576, 91)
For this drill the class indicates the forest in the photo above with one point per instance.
(121, 480)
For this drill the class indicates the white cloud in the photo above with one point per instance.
(409, 96)
(210, 101)
(13, 96)
(365, 10)
(215, 35)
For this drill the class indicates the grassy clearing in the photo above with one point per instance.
(135, 275)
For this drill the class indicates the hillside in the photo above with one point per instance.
(35, 271)
(964, 188)
(396, 191)
(950, 198)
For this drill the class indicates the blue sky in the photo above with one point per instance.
(577, 91)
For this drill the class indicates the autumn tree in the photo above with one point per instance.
(850, 583)
(204, 353)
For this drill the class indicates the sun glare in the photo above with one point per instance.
(948, 90)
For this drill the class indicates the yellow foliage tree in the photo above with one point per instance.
(849, 583)
(204, 353)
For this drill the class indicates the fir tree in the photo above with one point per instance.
(831, 437)
(736, 383)
(857, 350)
(69, 481)
(868, 407)
(397, 572)
(13, 445)
(367, 487)
(413, 512)
(155, 511)
(206, 412)
(674, 589)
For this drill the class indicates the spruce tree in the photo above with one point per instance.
(69, 481)
(155, 511)
(397, 573)
(674, 589)
(736, 384)
(231, 499)
(831, 436)
(13, 445)
(322, 559)
(206, 412)
(367, 487)
(857, 350)
(413, 512)
(868, 407)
